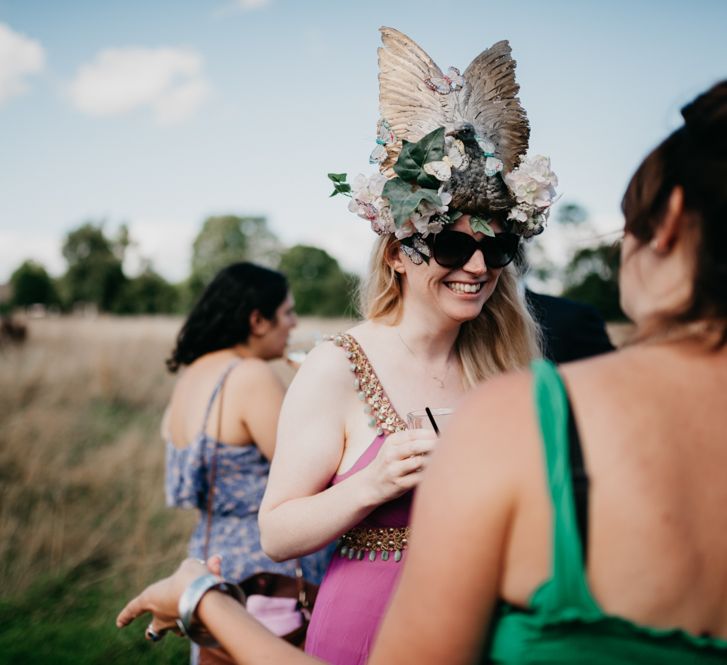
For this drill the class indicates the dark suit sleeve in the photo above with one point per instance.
(571, 330)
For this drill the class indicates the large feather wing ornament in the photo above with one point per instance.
(405, 101)
(489, 101)
(481, 108)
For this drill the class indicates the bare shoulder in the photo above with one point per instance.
(367, 333)
(497, 417)
(605, 378)
(252, 371)
(325, 369)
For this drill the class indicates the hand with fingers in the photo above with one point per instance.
(162, 598)
(399, 464)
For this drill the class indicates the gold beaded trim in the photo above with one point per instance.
(390, 541)
(377, 406)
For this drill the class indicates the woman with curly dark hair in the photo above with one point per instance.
(220, 425)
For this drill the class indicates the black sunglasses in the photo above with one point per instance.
(452, 249)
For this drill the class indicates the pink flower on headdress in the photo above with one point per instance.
(367, 202)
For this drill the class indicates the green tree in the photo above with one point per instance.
(31, 284)
(226, 239)
(94, 273)
(592, 277)
(148, 293)
(317, 282)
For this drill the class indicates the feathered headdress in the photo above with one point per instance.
(449, 144)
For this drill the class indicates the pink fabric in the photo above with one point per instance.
(354, 593)
(279, 615)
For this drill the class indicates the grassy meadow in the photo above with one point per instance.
(83, 523)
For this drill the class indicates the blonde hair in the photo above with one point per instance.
(503, 337)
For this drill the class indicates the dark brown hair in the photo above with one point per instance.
(693, 157)
(221, 317)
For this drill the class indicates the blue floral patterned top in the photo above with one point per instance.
(240, 478)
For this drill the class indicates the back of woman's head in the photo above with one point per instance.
(221, 317)
(694, 157)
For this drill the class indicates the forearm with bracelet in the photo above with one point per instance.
(190, 600)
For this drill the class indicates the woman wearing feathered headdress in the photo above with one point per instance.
(450, 201)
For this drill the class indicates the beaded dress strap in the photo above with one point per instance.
(382, 415)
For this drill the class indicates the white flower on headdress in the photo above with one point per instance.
(532, 184)
(368, 188)
(425, 219)
(367, 202)
(406, 230)
(519, 213)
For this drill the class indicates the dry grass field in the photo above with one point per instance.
(82, 517)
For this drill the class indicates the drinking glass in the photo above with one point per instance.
(420, 420)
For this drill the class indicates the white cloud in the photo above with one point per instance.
(20, 57)
(167, 80)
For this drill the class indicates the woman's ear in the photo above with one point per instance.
(393, 257)
(672, 225)
(259, 325)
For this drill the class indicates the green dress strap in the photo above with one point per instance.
(568, 586)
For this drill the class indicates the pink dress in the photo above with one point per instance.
(359, 582)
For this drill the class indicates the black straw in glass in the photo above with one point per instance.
(431, 420)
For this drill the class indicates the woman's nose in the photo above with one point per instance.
(476, 264)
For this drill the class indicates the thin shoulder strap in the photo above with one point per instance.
(580, 480)
(215, 392)
(219, 388)
(568, 586)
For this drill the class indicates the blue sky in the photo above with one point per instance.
(159, 113)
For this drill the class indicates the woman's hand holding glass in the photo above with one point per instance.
(398, 466)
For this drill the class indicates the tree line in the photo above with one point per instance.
(95, 270)
(95, 275)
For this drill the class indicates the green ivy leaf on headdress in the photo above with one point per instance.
(404, 199)
(481, 225)
(410, 164)
(340, 186)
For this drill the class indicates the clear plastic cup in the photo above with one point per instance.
(420, 420)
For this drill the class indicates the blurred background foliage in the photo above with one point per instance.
(589, 273)
(96, 275)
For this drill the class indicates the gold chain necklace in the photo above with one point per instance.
(413, 355)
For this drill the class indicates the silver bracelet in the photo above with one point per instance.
(190, 599)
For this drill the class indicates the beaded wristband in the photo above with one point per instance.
(190, 599)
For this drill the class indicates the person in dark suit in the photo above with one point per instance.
(571, 330)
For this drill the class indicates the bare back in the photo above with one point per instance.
(652, 422)
(251, 402)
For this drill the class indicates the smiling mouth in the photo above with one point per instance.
(464, 287)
